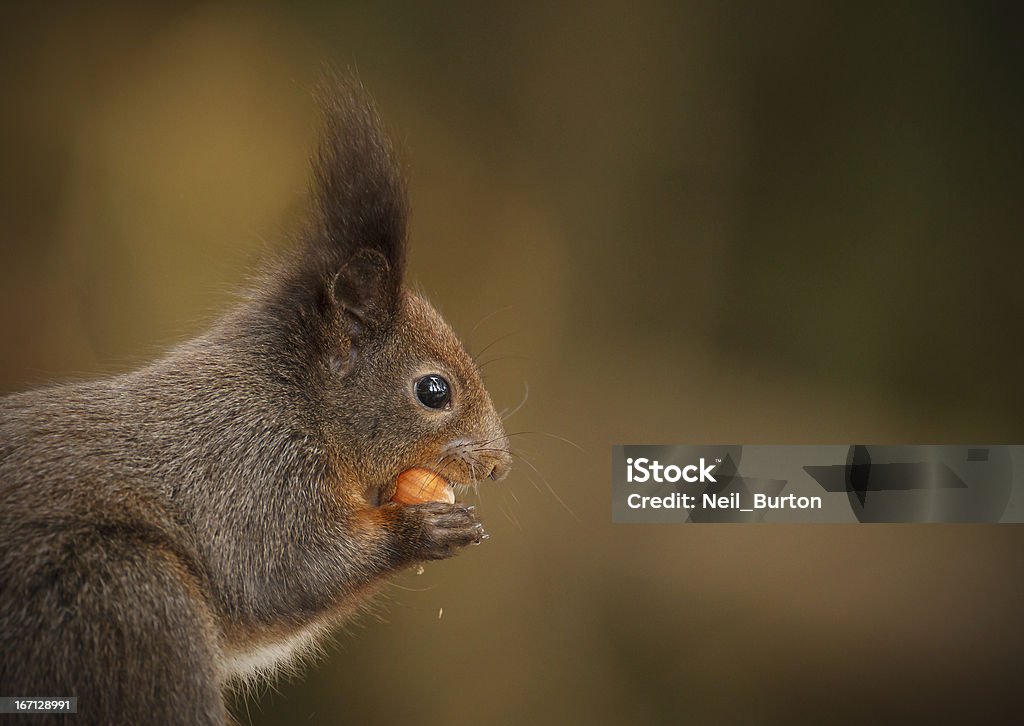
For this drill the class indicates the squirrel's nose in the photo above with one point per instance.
(500, 468)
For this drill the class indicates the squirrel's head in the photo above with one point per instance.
(391, 385)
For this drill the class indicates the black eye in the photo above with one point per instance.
(433, 391)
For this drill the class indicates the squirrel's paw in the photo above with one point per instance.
(443, 529)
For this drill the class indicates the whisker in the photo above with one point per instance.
(535, 433)
(550, 436)
(510, 516)
(488, 441)
(529, 463)
(411, 589)
(490, 315)
(441, 462)
(501, 357)
(494, 342)
(526, 395)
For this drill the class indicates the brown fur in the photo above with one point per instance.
(158, 527)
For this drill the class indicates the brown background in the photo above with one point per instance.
(743, 223)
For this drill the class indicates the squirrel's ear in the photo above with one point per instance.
(360, 288)
(360, 206)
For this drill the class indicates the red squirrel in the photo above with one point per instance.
(169, 530)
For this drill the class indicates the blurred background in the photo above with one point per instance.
(674, 223)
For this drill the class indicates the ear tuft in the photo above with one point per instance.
(360, 202)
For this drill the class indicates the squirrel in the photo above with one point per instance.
(170, 531)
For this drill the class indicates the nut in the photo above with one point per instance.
(422, 485)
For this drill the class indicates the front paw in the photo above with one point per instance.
(438, 530)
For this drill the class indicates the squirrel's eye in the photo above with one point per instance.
(433, 391)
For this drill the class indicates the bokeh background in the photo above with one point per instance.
(673, 222)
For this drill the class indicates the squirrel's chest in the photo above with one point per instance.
(249, 654)
(269, 657)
